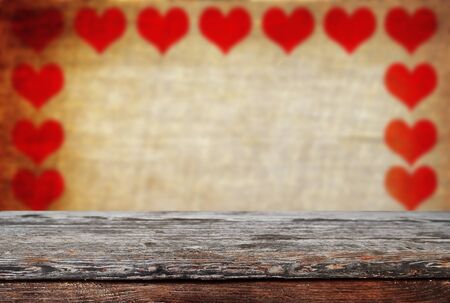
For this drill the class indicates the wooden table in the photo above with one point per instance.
(224, 257)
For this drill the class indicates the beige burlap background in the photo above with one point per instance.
(252, 130)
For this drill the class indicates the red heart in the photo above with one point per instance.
(411, 189)
(411, 31)
(163, 31)
(290, 31)
(37, 192)
(37, 28)
(350, 31)
(100, 31)
(410, 87)
(411, 143)
(38, 87)
(225, 31)
(38, 143)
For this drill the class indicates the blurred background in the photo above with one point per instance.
(224, 105)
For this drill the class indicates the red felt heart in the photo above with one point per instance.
(37, 28)
(288, 31)
(410, 87)
(411, 189)
(350, 30)
(38, 87)
(38, 142)
(225, 31)
(37, 192)
(163, 30)
(100, 31)
(411, 142)
(411, 30)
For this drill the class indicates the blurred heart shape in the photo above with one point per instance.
(411, 188)
(38, 87)
(413, 30)
(350, 30)
(38, 27)
(410, 87)
(37, 192)
(288, 31)
(225, 30)
(40, 142)
(411, 142)
(100, 31)
(163, 31)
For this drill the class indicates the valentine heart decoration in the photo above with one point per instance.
(37, 192)
(100, 31)
(411, 142)
(38, 87)
(411, 87)
(163, 30)
(350, 30)
(38, 143)
(288, 31)
(411, 31)
(225, 31)
(37, 28)
(411, 188)
(224, 105)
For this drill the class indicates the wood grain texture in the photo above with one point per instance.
(219, 246)
(433, 291)
(195, 129)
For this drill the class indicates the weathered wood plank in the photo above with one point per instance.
(256, 128)
(423, 291)
(217, 246)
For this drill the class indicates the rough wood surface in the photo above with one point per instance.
(255, 129)
(423, 291)
(217, 246)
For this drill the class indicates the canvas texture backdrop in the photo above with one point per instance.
(142, 124)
